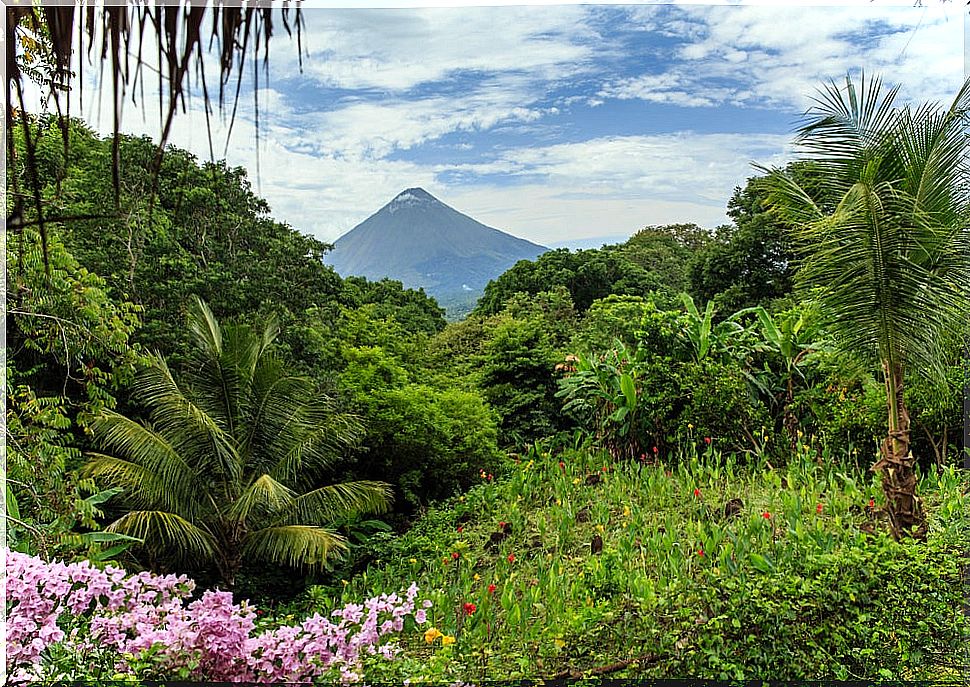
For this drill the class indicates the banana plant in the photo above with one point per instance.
(605, 389)
(704, 337)
(794, 336)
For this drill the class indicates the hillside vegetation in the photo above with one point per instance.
(575, 565)
(719, 454)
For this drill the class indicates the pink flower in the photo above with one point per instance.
(212, 637)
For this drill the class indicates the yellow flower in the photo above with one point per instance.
(690, 426)
(431, 634)
(626, 511)
(414, 560)
(447, 639)
(600, 529)
(477, 577)
(577, 481)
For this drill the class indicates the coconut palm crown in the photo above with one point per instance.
(227, 466)
(884, 237)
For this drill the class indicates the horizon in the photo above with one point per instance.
(553, 123)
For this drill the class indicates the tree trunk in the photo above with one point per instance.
(230, 559)
(897, 464)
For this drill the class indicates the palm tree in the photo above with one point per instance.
(226, 468)
(888, 248)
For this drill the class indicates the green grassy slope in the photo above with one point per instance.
(635, 570)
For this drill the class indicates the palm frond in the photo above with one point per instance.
(311, 449)
(162, 474)
(190, 430)
(167, 531)
(298, 546)
(265, 496)
(339, 502)
(143, 488)
(204, 327)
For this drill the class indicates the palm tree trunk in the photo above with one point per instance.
(897, 464)
(230, 560)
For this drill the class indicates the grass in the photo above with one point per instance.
(577, 565)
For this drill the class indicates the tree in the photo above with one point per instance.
(228, 464)
(749, 262)
(891, 259)
(69, 356)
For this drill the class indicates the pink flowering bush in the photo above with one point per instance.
(149, 627)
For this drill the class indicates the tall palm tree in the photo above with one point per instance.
(227, 467)
(888, 247)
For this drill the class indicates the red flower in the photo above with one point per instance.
(656, 450)
(604, 469)
(707, 440)
(872, 503)
(501, 524)
(818, 509)
(511, 558)
(700, 552)
(455, 555)
(766, 515)
(460, 529)
(492, 588)
(562, 465)
(697, 493)
(469, 608)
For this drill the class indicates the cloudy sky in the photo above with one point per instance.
(553, 122)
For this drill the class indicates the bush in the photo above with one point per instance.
(885, 610)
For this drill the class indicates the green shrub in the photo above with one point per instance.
(883, 610)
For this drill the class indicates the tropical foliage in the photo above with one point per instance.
(228, 463)
(649, 460)
(890, 250)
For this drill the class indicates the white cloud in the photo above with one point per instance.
(614, 184)
(775, 56)
(395, 51)
(422, 74)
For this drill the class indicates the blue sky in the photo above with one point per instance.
(556, 122)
